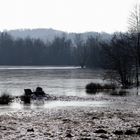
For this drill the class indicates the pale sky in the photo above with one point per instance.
(66, 15)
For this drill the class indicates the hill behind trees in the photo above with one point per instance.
(50, 34)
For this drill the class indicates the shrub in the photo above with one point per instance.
(92, 87)
(123, 92)
(26, 98)
(39, 92)
(29, 95)
(109, 86)
(119, 93)
(5, 99)
(95, 87)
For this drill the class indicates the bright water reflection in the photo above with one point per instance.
(16, 106)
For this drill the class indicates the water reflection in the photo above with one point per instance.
(55, 104)
(17, 106)
(117, 92)
(111, 93)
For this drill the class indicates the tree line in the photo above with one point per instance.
(61, 51)
(120, 56)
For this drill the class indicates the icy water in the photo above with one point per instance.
(54, 80)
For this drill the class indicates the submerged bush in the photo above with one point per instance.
(38, 94)
(95, 87)
(109, 86)
(119, 93)
(26, 98)
(123, 92)
(5, 99)
(92, 87)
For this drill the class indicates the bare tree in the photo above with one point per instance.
(81, 50)
(134, 29)
(119, 60)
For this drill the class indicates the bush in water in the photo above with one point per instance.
(95, 87)
(26, 98)
(28, 95)
(5, 99)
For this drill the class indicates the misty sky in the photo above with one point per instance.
(66, 15)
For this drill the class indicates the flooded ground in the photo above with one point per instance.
(67, 84)
(54, 80)
(73, 114)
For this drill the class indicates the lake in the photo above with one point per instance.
(67, 81)
(54, 80)
(59, 81)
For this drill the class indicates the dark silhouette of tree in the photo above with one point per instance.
(61, 51)
(81, 51)
(93, 52)
(119, 59)
(134, 28)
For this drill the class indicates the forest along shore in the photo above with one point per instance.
(110, 122)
